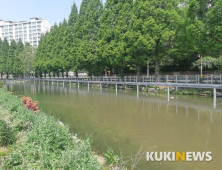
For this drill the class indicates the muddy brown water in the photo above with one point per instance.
(131, 125)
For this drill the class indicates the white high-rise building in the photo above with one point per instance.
(28, 31)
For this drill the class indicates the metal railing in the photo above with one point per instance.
(187, 79)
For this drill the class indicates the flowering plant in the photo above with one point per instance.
(30, 104)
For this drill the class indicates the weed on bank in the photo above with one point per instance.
(37, 141)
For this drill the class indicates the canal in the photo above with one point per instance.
(131, 125)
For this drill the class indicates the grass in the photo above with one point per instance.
(41, 142)
(3, 151)
(194, 92)
(1, 84)
(199, 92)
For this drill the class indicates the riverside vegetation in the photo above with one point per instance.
(157, 89)
(199, 92)
(37, 141)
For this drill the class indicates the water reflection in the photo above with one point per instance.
(126, 122)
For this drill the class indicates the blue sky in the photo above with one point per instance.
(23, 10)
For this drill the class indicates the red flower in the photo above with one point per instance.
(28, 103)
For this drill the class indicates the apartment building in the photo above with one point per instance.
(28, 31)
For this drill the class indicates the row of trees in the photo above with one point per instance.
(126, 35)
(15, 58)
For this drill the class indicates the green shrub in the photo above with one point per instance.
(1, 84)
(110, 157)
(7, 135)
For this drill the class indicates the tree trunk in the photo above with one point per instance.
(148, 68)
(138, 74)
(157, 71)
(49, 75)
(105, 72)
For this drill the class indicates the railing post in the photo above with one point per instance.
(215, 97)
(207, 79)
(220, 78)
(150, 78)
(198, 81)
(116, 88)
(175, 78)
(137, 90)
(166, 78)
(168, 93)
(130, 78)
(186, 78)
(211, 79)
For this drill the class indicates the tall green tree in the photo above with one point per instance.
(20, 47)
(27, 58)
(88, 45)
(1, 57)
(11, 58)
(65, 47)
(112, 44)
(78, 37)
(213, 29)
(153, 32)
(4, 56)
(73, 15)
(38, 60)
(17, 65)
